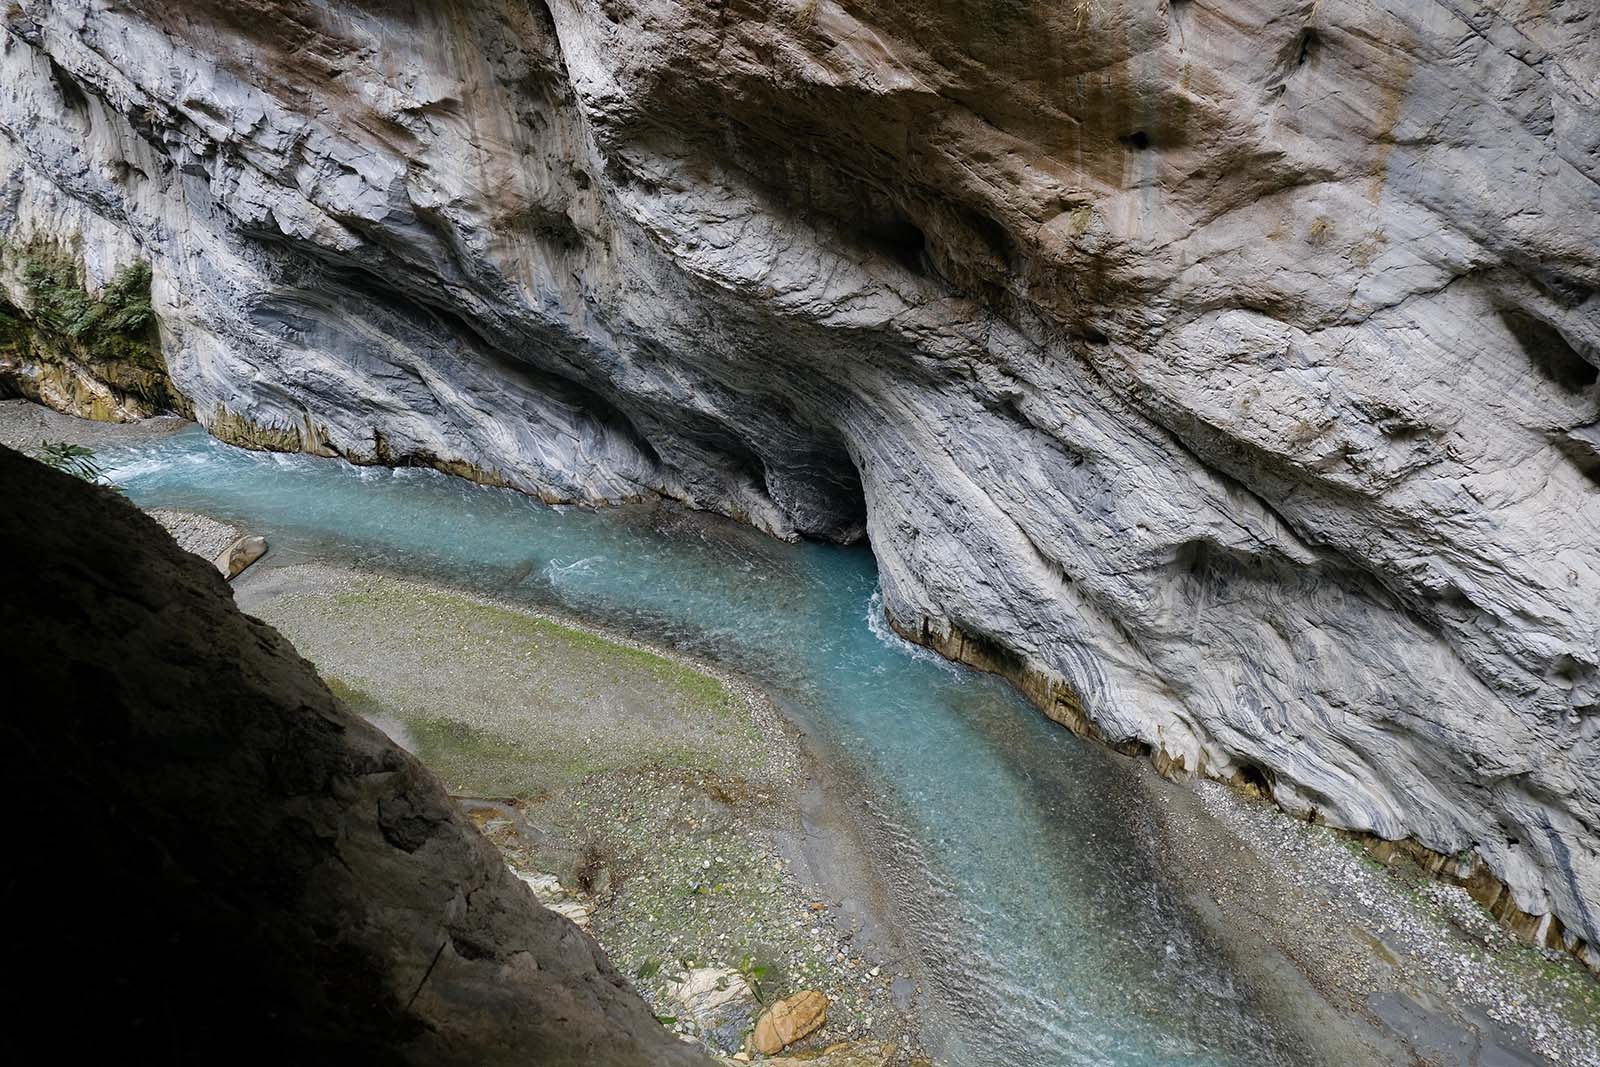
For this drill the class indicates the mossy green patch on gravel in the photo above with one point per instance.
(502, 702)
(357, 700)
(481, 763)
(582, 650)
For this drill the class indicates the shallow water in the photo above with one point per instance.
(1022, 867)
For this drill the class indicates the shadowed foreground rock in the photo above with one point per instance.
(211, 859)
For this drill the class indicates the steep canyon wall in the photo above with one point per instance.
(1224, 369)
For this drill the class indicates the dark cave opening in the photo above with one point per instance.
(72, 95)
(821, 492)
(901, 240)
(1254, 779)
(1308, 42)
(1549, 351)
(996, 240)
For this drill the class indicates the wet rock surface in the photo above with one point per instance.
(239, 554)
(1228, 366)
(254, 872)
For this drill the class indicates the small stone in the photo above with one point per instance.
(239, 555)
(575, 910)
(789, 1020)
(544, 886)
(719, 1001)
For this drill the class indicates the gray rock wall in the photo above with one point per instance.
(1231, 363)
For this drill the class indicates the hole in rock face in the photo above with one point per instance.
(1191, 559)
(994, 236)
(821, 492)
(1308, 42)
(1139, 140)
(1292, 57)
(901, 240)
(1550, 352)
(850, 501)
(1571, 670)
(1255, 779)
(1566, 291)
(1400, 433)
(1583, 454)
(71, 95)
(468, 949)
(547, 21)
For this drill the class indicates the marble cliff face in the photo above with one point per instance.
(1226, 368)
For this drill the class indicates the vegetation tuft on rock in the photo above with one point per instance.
(96, 356)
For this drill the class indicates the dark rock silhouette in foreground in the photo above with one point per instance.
(214, 860)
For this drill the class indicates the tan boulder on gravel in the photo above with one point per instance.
(239, 555)
(789, 1020)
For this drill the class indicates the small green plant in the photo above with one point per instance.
(754, 974)
(102, 351)
(76, 460)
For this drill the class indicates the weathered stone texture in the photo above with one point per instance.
(1230, 364)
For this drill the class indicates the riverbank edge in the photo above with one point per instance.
(1053, 696)
(310, 439)
(830, 842)
(1059, 702)
(834, 865)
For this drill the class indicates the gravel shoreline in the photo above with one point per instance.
(200, 534)
(24, 424)
(1414, 969)
(675, 856)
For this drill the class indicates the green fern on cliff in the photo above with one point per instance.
(121, 315)
(94, 355)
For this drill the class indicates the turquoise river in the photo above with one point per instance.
(1023, 870)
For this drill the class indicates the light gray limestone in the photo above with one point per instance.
(1233, 361)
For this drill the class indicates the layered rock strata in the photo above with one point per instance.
(1226, 367)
